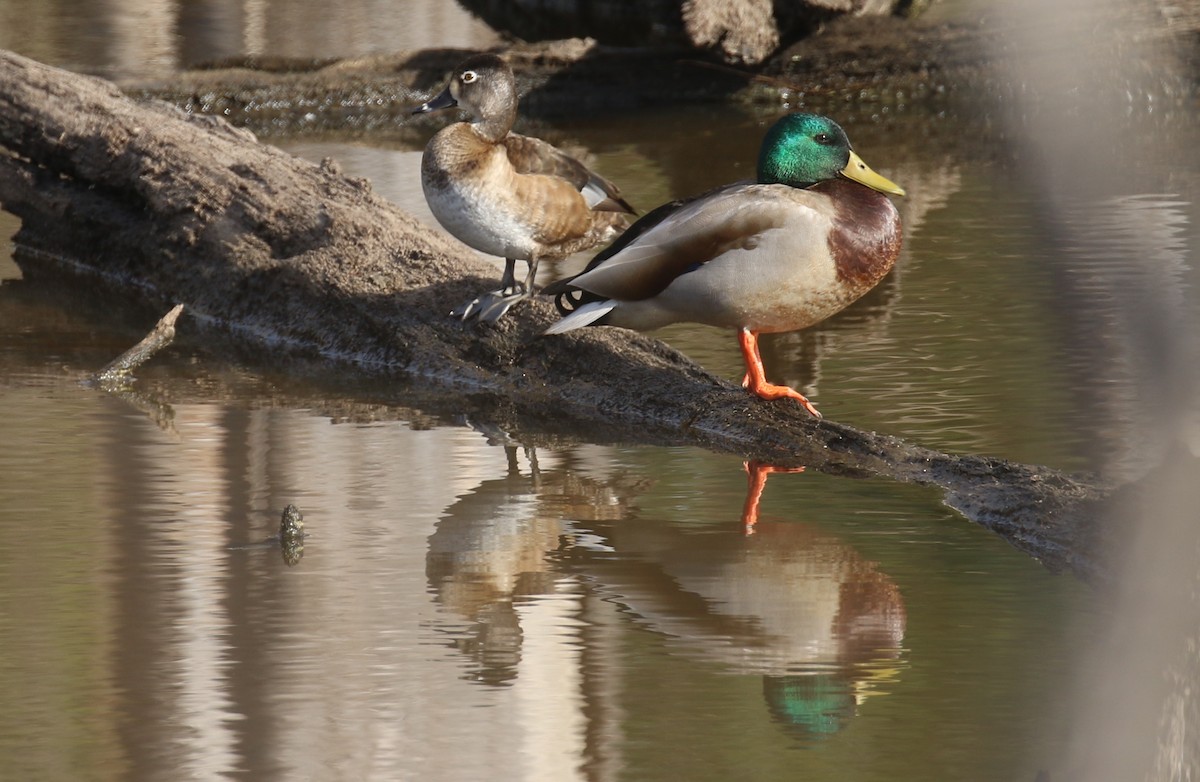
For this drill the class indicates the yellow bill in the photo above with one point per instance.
(860, 172)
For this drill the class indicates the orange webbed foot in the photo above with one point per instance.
(771, 391)
(755, 380)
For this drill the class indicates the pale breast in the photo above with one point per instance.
(805, 270)
(468, 188)
(476, 194)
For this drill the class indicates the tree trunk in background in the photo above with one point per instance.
(744, 32)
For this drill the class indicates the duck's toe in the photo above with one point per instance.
(467, 309)
(772, 391)
(493, 310)
(489, 307)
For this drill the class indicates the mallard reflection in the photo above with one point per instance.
(767, 597)
(756, 483)
(823, 626)
(786, 599)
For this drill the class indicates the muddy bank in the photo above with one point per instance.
(574, 77)
(849, 67)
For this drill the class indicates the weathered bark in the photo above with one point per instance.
(738, 31)
(742, 32)
(295, 257)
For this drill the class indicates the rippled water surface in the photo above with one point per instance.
(458, 613)
(465, 609)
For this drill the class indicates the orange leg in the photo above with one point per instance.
(756, 377)
(756, 478)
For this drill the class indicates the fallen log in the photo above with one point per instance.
(270, 250)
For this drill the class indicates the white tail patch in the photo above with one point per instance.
(593, 194)
(584, 316)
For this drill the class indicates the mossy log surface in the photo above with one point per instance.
(294, 258)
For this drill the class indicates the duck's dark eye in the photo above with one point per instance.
(468, 77)
(823, 138)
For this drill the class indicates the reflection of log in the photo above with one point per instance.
(302, 261)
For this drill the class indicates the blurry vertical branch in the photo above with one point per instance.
(1114, 193)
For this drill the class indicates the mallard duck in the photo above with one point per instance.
(509, 195)
(810, 236)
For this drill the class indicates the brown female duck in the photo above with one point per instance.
(509, 195)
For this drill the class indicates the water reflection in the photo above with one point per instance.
(568, 583)
(488, 551)
(1119, 260)
(491, 552)
(822, 625)
(145, 38)
(819, 623)
(756, 483)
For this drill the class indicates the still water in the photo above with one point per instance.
(468, 610)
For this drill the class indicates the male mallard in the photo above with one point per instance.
(506, 194)
(813, 234)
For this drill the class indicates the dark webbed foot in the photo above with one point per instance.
(489, 307)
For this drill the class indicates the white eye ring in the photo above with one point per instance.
(468, 77)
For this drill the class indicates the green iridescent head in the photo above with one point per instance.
(802, 149)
